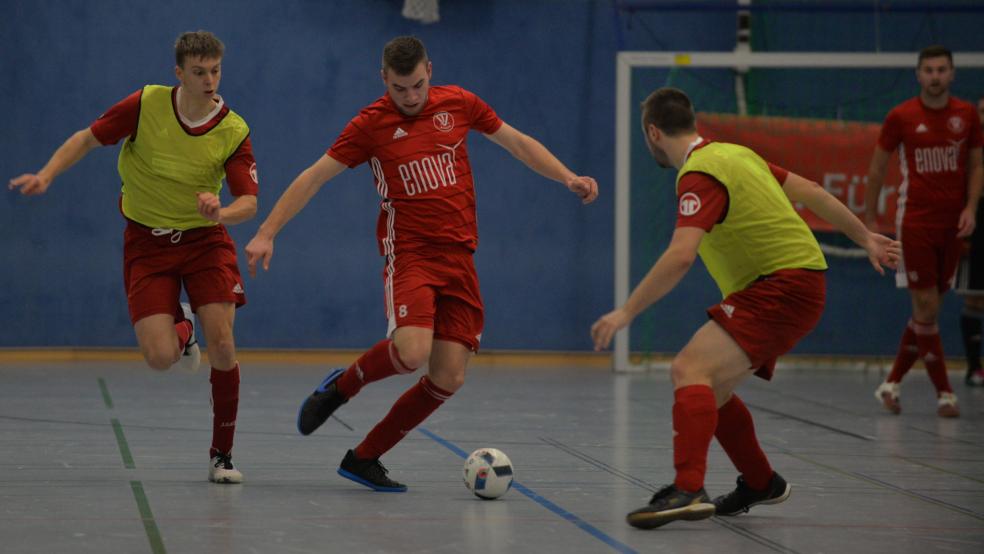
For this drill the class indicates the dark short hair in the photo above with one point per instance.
(403, 54)
(934, 51)
(197, 44)
(670, 110)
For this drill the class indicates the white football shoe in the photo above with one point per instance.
(221, 470)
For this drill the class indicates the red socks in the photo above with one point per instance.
(922, 340)
(907, 355)
(225, 403)
(408, 412)
(931, 352)
(377, 363)
(736, 434)
(695, 416)
(183, 328)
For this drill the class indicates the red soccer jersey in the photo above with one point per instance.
(420, 166)
(933, 147)
(711, 206)
(120, 121)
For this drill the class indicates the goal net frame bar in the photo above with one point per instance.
(740, 62)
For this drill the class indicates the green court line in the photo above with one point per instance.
(150, 526)
(124, 448)
(105, 392)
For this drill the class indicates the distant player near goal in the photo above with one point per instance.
(735, 210)
(938, 138)
(970, 286)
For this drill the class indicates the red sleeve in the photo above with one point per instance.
(354, 145)
(240, 171)
(118, 122)
(891, 132)
(780, 173)
(976, 136)
(483, 117)
(703, 201)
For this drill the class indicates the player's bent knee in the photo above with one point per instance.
(222, 354)
(160, 361)
(680, 371)
(414, 355)
(684, 372)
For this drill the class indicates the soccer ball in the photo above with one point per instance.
(488, 473)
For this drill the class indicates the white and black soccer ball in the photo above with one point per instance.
(488, 473)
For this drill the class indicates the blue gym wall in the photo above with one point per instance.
(298, 70)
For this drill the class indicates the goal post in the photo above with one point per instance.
(739, 62)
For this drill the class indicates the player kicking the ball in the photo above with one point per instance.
(413, 138)
(735, 210)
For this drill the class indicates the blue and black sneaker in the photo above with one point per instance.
(370, 473)
(323, 402)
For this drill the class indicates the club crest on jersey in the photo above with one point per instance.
(955, 124)
(689, 204)
(443, 121)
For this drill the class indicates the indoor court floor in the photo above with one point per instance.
(112, 457)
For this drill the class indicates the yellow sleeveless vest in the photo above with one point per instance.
(162, 166)
(761, 232)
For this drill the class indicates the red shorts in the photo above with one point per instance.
(929, 258)
(155, 267)
(437, 290)
(770, 316)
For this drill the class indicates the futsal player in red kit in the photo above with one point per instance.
(938, 138)
(735, 211)
(179, 144)
(414, 140)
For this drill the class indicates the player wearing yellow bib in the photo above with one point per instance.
(180, 142)
(735, 211)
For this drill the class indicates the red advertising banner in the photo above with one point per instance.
(835, 154)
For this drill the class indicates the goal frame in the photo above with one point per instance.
(740, 61)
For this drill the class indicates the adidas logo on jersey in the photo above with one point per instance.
(922, 128)
(400, 133)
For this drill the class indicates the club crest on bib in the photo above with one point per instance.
(689, 204)
(955, 124)
(443, 121)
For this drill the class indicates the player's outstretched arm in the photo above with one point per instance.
(671, 266)
(67, 155)
(243, 208)
(297, 195)
(536, 156)
(975, 181)
(881, 249)
(872, 191)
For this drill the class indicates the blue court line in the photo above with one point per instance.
(535, 497)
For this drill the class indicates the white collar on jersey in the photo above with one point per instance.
(692, 145)
(202, 121)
